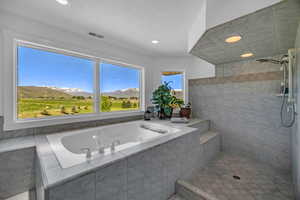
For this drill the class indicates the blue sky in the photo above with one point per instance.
(175, 80)
(41, 68)
(113, 77)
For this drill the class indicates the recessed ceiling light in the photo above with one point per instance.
(247, 55)
(63, 2)
(233, 39)
(155, 41)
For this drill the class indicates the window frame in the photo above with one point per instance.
(184, 82)
(141, 86)
(11, 121)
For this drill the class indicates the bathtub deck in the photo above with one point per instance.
(258, 181)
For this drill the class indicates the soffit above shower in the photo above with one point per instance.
(267, 32)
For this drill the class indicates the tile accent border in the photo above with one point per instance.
(240, 78)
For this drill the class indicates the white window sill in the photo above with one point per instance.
(33, 123)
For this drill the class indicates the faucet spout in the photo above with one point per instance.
(114, 144)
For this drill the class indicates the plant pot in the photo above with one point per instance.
(185, 112)
(163, 115)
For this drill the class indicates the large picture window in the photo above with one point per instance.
(119, 88)
(52, 84)
(56, 83)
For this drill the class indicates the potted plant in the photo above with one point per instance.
(164, 101)
(185, 111)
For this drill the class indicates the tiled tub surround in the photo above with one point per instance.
(17, 151)
(147, 171)
(16, 171)
(241, 103)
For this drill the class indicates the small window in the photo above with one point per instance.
(52, 84)
(176, 81)
(119, 88)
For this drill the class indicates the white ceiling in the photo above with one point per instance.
(133, 23)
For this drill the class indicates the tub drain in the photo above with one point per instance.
(236, 177)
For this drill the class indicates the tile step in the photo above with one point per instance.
(176, 197)
(188, 191)
(207, 136)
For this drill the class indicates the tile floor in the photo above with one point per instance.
(257, 181)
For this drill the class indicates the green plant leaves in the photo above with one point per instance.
(163, 99)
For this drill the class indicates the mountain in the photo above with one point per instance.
(124, 93)
(67, 93)
(73, 91)
(40, 92)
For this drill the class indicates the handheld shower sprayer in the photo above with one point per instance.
(288, 102)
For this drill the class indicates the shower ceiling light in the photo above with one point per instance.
(155, 41)
(247, 55)
(233, 39)
(63, 2)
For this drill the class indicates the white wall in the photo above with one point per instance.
(198, 27)
(1, 72)
(296, 129)
(192, 66)
(65, 39)
(153, 66)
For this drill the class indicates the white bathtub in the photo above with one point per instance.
(68, 146)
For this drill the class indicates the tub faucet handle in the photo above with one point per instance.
(101, 150)
(87, 151)
(98, 144)
(114, 144)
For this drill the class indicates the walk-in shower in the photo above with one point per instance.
(288, 107)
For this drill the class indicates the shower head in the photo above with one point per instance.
(263, 60)
(283, 59)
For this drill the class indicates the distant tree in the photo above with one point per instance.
(74, 97)
(90, 97)
(123, 105)
(80, 97)
(85, 107)
(74, 109)
(134, 105)
(61, 98)
(63, 110)
(105, 104)
(126, 104)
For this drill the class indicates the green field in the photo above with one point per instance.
(44, 107)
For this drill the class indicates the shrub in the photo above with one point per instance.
(105, 104)
(126, 104)
(45, 112)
